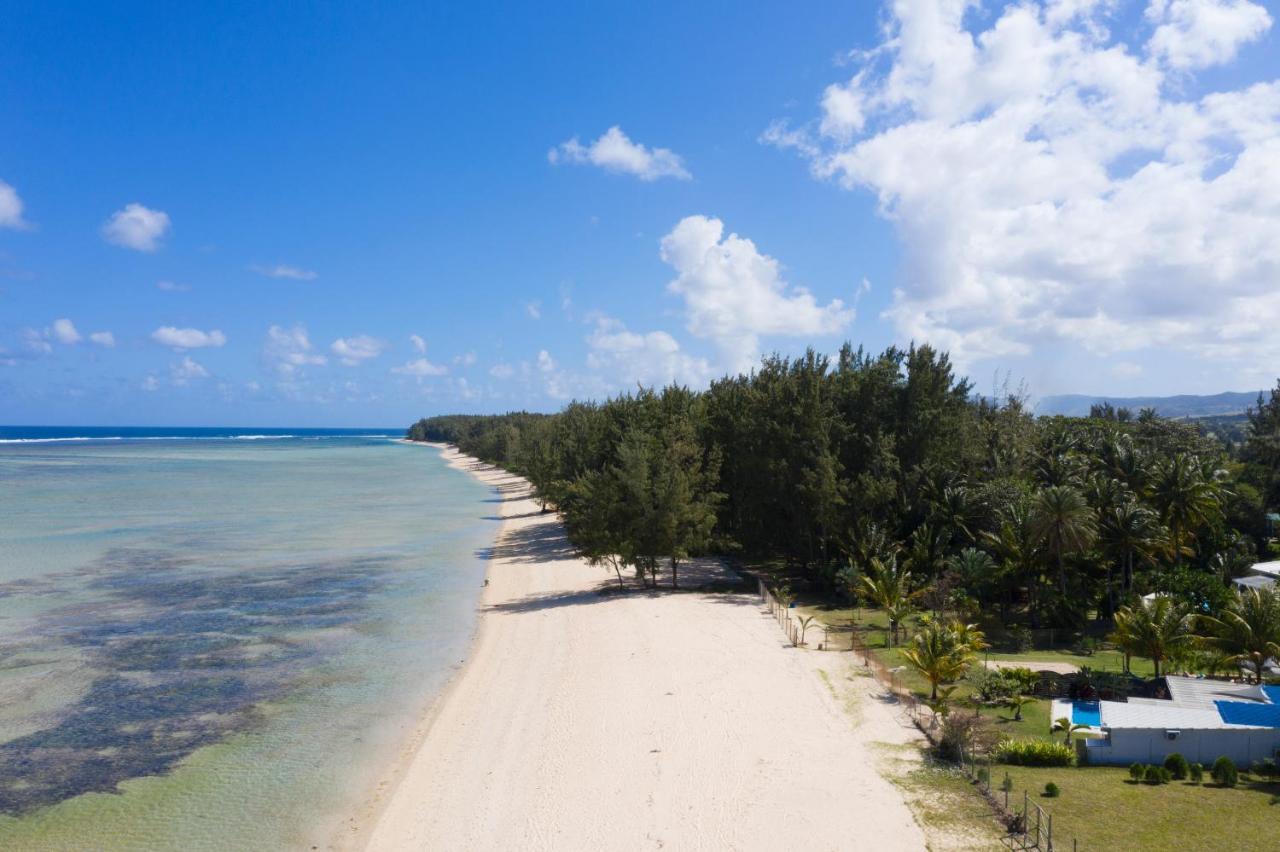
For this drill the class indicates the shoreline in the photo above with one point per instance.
(352, 833)
(660, 711)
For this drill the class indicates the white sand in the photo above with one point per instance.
(634, 721)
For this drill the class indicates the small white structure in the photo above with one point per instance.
(1202, 720)
(1263, 575)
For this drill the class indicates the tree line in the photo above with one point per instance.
(887, 471)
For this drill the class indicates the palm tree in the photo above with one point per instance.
(1186, 497)
(1248, 631)
(1019, 549)
(1063, 522)
(1157, 630)
(942, 653)
(1128, 530)
(1062, 723)
(888, 586)
(1017, 702)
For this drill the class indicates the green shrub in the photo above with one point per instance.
(1138, 771)
(1177, 764)
(1051, 790)
(1158, 775)
(1034, 753)
(984, 776)
(1224, 772)
(1007, 784)
(1197, 773)
(1266, 768)
(1021, 638)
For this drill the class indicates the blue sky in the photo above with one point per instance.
(357, 216)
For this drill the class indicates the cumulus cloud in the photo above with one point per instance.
(420, 367)
(545, 362)
(614, 152)
(502, 371)
(136, 227)
(36, 341)
(11, 208)
(1199, 33)
(356, 350)
(64, 331)
(103, 338)
(533, 309)
(186, 371)
(652, 359)
(288, 351)
(150, 383)
(734, 294)
(419, 344)
(1051, 181)
(187, 338)
(172, 287)
(281, 270)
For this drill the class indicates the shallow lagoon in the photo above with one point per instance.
(217, 643)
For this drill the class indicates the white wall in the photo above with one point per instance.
(1138, 745)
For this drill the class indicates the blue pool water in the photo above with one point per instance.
(1086, 713)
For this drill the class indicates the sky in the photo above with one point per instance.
(360, 214)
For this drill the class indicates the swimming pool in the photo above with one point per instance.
(1086, 713)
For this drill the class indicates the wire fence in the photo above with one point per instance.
(1030, 827)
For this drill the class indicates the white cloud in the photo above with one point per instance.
(187, 370)
(64, 331)
(150, 383)
(103, 338)
(136, 227)
(1051, 182)
(614, 152)
(11, 208)
(419, 344)
(356, 350)
(502, 371)
(1126, 369)
(533, 309)
(466, 359)
(734, 294)
(172, 286)
(545, 362)
(420, 367)
(187, 338)
(1198, 33)
(281, 270)
(653, 359)
(36, 341)
(288, 350)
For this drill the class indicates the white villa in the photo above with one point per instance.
(1260, 576)
(1201, 720)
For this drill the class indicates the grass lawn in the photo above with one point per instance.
(1102, 809)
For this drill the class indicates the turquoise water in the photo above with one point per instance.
(214, 643)
(1086, 712)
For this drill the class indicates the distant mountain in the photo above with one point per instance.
(1184, 405)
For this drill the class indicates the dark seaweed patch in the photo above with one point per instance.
(186, 657)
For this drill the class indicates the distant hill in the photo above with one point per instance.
(1184, 405)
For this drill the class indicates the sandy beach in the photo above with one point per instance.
(641, 720)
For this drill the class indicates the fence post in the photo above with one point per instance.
(1050, 832)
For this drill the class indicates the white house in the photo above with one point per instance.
(1201, 719)
(1261, 576)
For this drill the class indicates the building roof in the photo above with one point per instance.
(1195, 704)
(1257, 581)
(1269, 569)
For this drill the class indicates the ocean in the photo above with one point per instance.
(217, 638)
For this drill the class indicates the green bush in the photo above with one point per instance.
(1224, 772)
(1177, 764)
(1138, 771)
(1034, 753)
(1051, 790)
(1266, 768)
(1197, 773)
(1158, 775)
(1007, 784)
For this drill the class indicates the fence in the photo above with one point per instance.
(1030, 828)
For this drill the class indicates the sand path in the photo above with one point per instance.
(635, 721)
